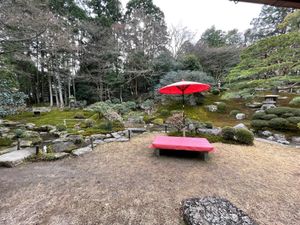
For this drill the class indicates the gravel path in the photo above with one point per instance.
(124, 183)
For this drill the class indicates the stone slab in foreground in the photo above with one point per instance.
(213, 211)
(82, 151)
(15, 158)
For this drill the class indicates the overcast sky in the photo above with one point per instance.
(199, 15)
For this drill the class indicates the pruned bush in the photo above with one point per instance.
(208, 125)
(79, 115)
(244, 136)
(286, 115)
(294, 120)
(279, 123)
(269, 116)
(234, 112)
(4, 141)
(295, 101)
(221, 107)
(158, 121)
(61, 127)
(89, 123)
(130, 105)
(19, 133)
(215, 91)
(120, 108)
(228, 133)
(148, 118)
(259, 124)
(279, 110)
(164, 112)
(258, 115)
(106, 126)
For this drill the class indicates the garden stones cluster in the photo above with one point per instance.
(213, 211)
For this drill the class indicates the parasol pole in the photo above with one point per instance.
(183, 114)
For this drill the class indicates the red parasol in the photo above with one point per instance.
(183, 88)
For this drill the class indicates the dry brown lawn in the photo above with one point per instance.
(124, 183)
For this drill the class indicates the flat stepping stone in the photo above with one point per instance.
(60, 155)
(81, 151)
(213, 211)
(15, 158)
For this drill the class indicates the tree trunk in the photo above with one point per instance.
(60, 91)
(56, 97)
(74, 88)
(50, 91)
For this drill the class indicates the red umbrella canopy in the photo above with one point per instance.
(184, 87)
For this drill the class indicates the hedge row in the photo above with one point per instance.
(280, 118)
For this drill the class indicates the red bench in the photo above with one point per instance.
(183, 144)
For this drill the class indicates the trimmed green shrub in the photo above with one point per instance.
(234, 112)
(117, 125)
(286, 115)
(294, 120)
(258, 115)
(130, 105)
(259, 124)
(208, 125)
(4, 141)
(221, 107)
(79, 115)
(61, 127)
(244, 136)
(164, 112)
(228, 133)
(158, 121)
(279, 123)
(89, 123)
(19, 133)
(215, 91)
(148, 118)
(279, 110)
(295, 101)
(106, 126)
(269, 116)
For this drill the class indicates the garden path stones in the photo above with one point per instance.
(15, 158)
(213, 211)
(60, 155)
(82, 151)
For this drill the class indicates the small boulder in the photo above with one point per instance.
(266, 133)
(30, 126)
(240, 126)
(296, 140)
(240, 116)
(212, 108)
(98, 136)
(25, 143)
(8, 123)
(214, 131)
(81, 151)
(107, 140)
(116, 135)
(271, 138)
(63, 146)
(60, 155)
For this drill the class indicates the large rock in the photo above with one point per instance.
(296, 140)
(45, 128)
(15, 158)
(240, 116)
(82, 151)
(76, 139)
(41, 109)
(240, 126)
(60, 155)
(30, 126)
(4, 130)
(63, 146)
(137, 130)
(214, 131)
(212, 108)
(280, 138)
(266, 133)
(98, 136)
(213, 211)
(25, 143)
(9, 123)
(116, 135)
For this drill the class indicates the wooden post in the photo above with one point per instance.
(92, 143)
(166, 128)
(37, 149)
(18, 145)
(129, 134)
